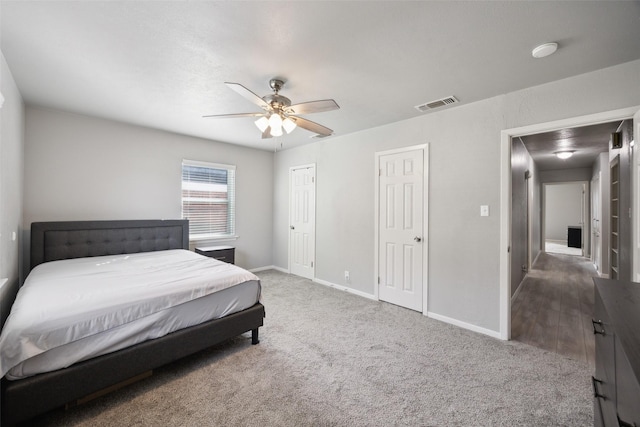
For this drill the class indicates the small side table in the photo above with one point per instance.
(221, 253)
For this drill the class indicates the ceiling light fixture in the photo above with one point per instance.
(279, 115)
(262, 123)
(544, 50)
(288, 125)
(564, 155)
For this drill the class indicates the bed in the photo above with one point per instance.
(34, 387)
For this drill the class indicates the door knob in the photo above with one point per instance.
(418, 239)
(292, 227)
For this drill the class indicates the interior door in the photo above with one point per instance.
(401, 228)
(302, 227)
(596, 209)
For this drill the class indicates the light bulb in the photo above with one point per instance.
(275, 121)
(262, 123)
(288, 125)
(564, 155)
(276, 131)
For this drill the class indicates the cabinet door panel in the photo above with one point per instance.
(605, 347)
(627, 390)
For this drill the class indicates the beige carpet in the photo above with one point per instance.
(329, 358)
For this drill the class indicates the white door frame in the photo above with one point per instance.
(505, 194)
(596, 215)
(635, 199)
(291, 169)
(425, 225)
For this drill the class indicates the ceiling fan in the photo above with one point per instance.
(278, 112)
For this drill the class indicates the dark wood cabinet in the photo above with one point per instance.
(616, 325)
(222, 253)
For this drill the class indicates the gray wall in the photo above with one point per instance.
(84, 168)
(565, 175)
(11, 182)
(464, 145)
(563, 208)
(521, 162)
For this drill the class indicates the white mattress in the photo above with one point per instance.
(73, 310)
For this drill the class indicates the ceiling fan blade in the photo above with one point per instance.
(313, 107)
(230, 116)
(266, 134)
(312, 126)
(248, 95)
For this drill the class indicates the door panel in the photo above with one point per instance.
(302, 228)
(401, 201)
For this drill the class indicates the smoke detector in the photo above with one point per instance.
(436, 104)
(544, 50)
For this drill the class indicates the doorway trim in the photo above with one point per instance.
(425, 220)
(505, 194)
(635, 204)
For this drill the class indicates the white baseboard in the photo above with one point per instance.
(465, 325)
(345, 289)
(269, 267)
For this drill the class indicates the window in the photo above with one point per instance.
(208, 199)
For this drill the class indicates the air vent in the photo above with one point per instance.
(436, 104)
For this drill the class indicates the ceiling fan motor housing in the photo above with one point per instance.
(277, 102)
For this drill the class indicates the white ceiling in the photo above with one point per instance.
(164, 64)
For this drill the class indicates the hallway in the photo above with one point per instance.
(553, 310)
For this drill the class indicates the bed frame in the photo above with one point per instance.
(23, 399)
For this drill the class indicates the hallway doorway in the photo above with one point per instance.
(553, 309)
(509, 243)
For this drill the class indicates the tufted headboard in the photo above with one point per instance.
(52, 241)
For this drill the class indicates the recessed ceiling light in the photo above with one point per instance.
(544, 50)
(564, 155)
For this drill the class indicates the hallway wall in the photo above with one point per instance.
(521, 162)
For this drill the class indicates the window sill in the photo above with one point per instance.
(200, 239)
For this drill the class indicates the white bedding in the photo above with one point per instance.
(77, 309)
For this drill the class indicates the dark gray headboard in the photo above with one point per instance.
(52, 241)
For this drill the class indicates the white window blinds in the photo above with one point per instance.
(208, 199)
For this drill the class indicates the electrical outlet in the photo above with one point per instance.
(346, 276)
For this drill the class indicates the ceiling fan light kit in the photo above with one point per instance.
(262, 123)
(279, 113)
(288, 125)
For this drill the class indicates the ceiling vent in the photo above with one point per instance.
(436, 104)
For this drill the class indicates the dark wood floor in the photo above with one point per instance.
(553, 309)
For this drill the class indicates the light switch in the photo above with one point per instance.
(484, 210)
